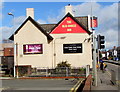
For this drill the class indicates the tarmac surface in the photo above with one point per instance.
(38, 85)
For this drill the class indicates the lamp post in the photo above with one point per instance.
(15, 46)
(13, 17)
(54, 54)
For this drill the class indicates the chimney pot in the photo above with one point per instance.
(68, 4)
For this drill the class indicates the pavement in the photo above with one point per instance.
(104, 83)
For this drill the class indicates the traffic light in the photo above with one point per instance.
(101, 41)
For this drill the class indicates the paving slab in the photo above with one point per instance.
(104, 82)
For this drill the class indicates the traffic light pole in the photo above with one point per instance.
(94, 60)
(98, 46)
(94, 50)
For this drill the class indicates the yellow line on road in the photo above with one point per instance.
(4, 88)
(76, 86)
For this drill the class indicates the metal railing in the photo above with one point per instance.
(57, 72)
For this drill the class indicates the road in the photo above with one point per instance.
(56, 85)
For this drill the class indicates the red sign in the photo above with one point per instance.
(68, 25)
(94, 22)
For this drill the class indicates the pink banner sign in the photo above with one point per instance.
(33, 49)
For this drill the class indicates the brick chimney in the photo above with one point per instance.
(68, 8)
(30, 12)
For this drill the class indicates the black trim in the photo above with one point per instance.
(69, 15)
(36, 24)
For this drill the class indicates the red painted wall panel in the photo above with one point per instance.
(68, 25)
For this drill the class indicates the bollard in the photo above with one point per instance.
(113, 76)
(46, 72)
(66, 71)
(87, 70)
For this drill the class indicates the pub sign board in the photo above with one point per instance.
(72, 48)
(33, 49)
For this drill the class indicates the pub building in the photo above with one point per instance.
(46, 45)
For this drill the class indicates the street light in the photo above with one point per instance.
(15, 45)
(13, 17)
(10, 14)
(54, 61)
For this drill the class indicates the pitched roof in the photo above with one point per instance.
(47, 27)
(83, 20)
(36, 24)
(80, 22)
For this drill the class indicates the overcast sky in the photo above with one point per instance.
(107, 13)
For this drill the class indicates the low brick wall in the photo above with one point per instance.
(87, 86)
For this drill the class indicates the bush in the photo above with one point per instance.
(23, 70)
(63, 64)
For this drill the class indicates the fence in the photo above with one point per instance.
(56, 72)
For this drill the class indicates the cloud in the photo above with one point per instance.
(111, 38)
(1, 16)
(6, 31)
(1, 6)
(84, 9)
(108, 24)
(108, 14)
(41, 21)
(56, 19)
(18, 20)
(107, 20)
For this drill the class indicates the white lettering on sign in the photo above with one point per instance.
(73, 25)
(69, 21)
(69, 29)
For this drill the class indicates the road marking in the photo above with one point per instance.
(118, 82)
(4, 88)
(76, 86)
(108, 72)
